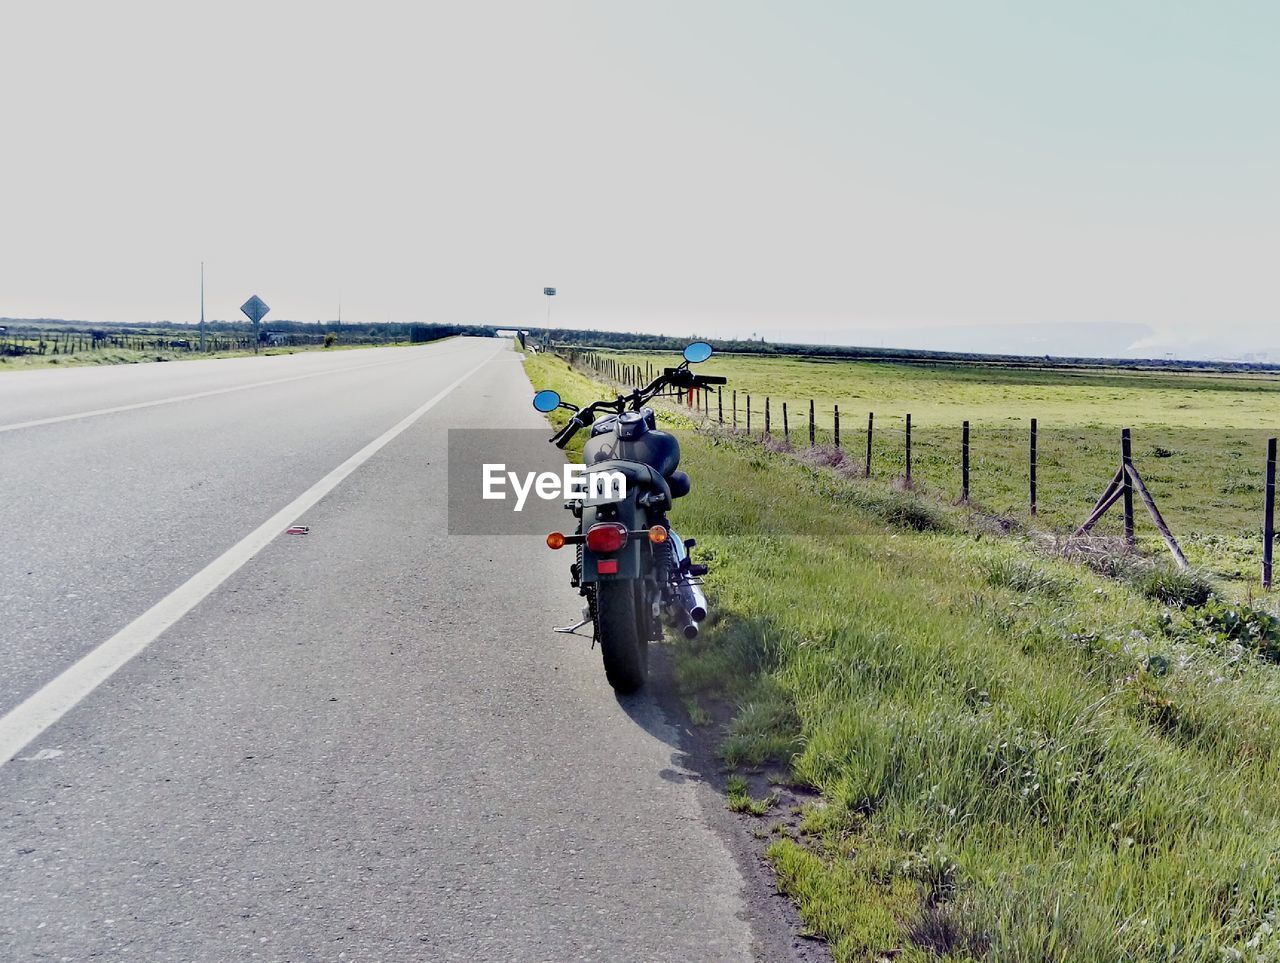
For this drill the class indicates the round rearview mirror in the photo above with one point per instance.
(697, 352)
(546, 401)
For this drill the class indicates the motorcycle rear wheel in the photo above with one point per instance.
(624, 648)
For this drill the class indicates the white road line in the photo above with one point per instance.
(24, 723)
(191, 397)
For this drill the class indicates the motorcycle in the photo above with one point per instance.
(631, 566)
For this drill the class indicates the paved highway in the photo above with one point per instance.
(363, 743)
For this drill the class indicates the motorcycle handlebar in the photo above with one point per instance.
(565, 435)
(679, 378)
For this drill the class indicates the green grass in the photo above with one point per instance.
(1199, 439)
(1018, 758)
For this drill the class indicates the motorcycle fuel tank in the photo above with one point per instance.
(632, 439)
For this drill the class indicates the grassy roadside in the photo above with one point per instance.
(112, 356)
(1016, 758)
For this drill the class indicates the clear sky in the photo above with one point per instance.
(897, 172)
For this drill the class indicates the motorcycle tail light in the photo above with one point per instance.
(606, 537)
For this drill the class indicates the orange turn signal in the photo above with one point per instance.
(657, 534)
(555, 540)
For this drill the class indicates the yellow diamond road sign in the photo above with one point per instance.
(255, 309)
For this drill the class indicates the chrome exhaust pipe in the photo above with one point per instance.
(694, 602)
(691, 631)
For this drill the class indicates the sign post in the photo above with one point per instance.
(255, 309)
(202, 307)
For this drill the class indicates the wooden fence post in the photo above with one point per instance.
(748, 415)
(811, 435)
(786, 425)
(1156, 517)
(964, 464)
(871, 423)
(1033, 467)
(720, 404)
(767, 426)
(908, 450)
(1268, 516)
(735, 409)
(1126, 463)
(837, 426)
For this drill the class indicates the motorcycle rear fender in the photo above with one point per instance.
(630, 559)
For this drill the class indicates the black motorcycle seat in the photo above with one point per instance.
(640, 474)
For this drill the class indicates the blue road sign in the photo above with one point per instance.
(255, 309)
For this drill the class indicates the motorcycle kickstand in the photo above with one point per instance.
(573, 629)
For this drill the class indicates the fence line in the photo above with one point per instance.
(1126, 482)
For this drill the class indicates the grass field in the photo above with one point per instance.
(1199, 439)
(1017, 759)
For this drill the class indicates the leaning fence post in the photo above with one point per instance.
(811, 437)
(1033, 467)
(735, 409)
(1268, 515)
(908, 450)
(871, 422)
(837, 427)
(786, 425)
(1126, 463)
(766, 415)
(964, 464)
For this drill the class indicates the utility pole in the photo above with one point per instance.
(202, 307)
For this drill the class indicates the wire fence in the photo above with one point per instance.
(1052, 476)
(70, 342)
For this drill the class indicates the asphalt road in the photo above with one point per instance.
(364, 744)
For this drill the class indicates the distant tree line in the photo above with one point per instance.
(631, 341)
(373, 332)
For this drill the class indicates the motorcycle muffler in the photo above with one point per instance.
(693, 601)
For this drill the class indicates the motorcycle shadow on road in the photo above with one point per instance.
(658, 711)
